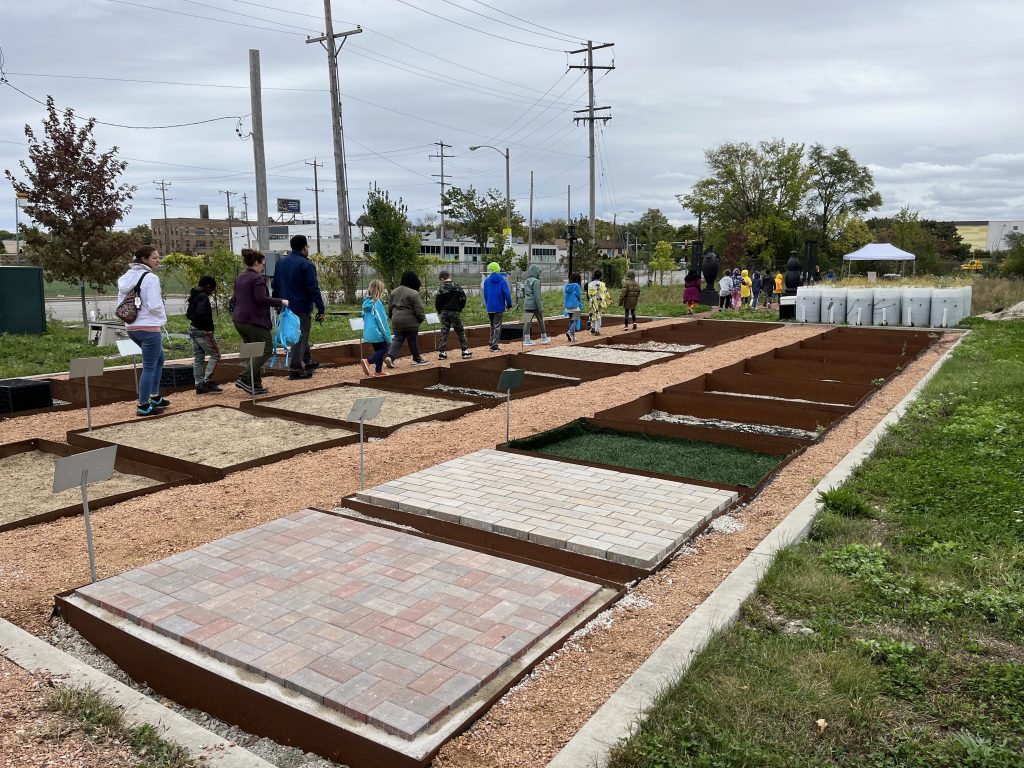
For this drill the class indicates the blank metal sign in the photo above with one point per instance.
(99, 465)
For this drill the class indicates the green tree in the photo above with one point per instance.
(838, 185)
(549, 231)
(750, 201)
(651, 228)
(662, 260)
(220, 263)
(1013, 264)
(142, 233)
(480, 217)
(852, 233)
(393, 247)
(74, 195)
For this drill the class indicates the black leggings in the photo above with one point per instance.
(626, 318)
(723, 301)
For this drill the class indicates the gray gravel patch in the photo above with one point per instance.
(731, 426)
(465, 391)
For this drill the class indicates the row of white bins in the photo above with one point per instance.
(909, 307)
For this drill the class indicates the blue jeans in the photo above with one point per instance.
(152, 347)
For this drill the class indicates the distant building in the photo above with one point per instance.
(199, 235)
(987, 235)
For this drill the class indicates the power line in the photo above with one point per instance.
(206, 18)
(382, 157)
(162, 82)
(245, 15)
(473, 29)
(562, 38)
(5, 81)
(517, 18)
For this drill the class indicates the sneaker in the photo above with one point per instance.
(259, 389)
(568, 337)
(421, 361)
(634, 326)
(529, 343)
(367, 366)
(159, 402)
(378, 374)
(312, 365)
(442, 355)
(244, 386)
(296, 375)
(212, 386)
(466, 354)
(389, 362)
(545, 339)
(148, 410)
(495, 348)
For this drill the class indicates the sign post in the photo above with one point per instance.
(128, 348)
(433, 320)
(81, 469)
(249, 351)
(83, 368)
(363, 409)
(511, 378)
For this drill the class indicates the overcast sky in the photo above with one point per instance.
(927, 93)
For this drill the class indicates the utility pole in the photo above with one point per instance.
(258, 152)
(529, 231)
(328, 42)
(245, 212)
(441, 146)
(231, 235)
(163, 186)
(568, 203)
(316, 199)
(590, 119)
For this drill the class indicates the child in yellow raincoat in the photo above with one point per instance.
(597, 299)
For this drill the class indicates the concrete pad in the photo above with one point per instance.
(559, 505)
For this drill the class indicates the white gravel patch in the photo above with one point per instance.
(732, 426)
(772, 397)
(657, 346)
(726, 524)
(602, 355)
(67, 639)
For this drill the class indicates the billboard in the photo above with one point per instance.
(287, 205)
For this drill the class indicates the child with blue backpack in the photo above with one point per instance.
(376, 331)
(573, 291)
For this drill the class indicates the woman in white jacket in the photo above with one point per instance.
(145, 330)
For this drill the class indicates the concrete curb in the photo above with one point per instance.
(35, 655)
(615, 719)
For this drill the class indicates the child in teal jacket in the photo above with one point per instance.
(376, 331)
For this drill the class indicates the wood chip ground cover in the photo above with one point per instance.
(712, 462)
(529, 726)
(216, 437)
(27, 487)
(336, 403)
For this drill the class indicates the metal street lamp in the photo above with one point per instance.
(615, 225)
(508, 192)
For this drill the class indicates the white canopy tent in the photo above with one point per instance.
(879, 252)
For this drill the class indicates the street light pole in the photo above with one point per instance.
(508, 187)
(615, 228)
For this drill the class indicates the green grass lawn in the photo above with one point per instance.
(712, 462)
(912, 582)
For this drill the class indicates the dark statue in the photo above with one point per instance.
(792, 279)
(709, 267)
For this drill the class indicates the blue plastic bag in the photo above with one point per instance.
(288, 332)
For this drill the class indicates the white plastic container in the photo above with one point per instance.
(808, 304)
(833, 305)
(917, 307)
(859, 304)
(948, 307)
(886, 310)
(968, 292)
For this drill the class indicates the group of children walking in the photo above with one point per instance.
(739, 289)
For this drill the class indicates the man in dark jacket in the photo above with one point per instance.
(295, 280)
(449, 303)
(200, 331)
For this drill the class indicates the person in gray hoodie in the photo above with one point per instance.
(533, 304)
(406, 313)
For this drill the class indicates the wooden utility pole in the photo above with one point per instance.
(327, 40)
(259, 154)
(441, 146)
(245, 212)
(590, 119)
(231, 234)
(315, 189)
(529, 231)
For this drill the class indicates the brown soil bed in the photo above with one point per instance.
(216, 437)
(27, 489)
(336, 402)
(531, 724)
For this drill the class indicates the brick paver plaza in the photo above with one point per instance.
(618, 516)
(387, 628)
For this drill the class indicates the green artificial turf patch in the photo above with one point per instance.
(712, 462)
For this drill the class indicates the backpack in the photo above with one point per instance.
(288, 332)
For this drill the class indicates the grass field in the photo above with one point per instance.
(653, 453)
(911, 589)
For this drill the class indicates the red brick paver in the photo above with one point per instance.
(388, 628)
